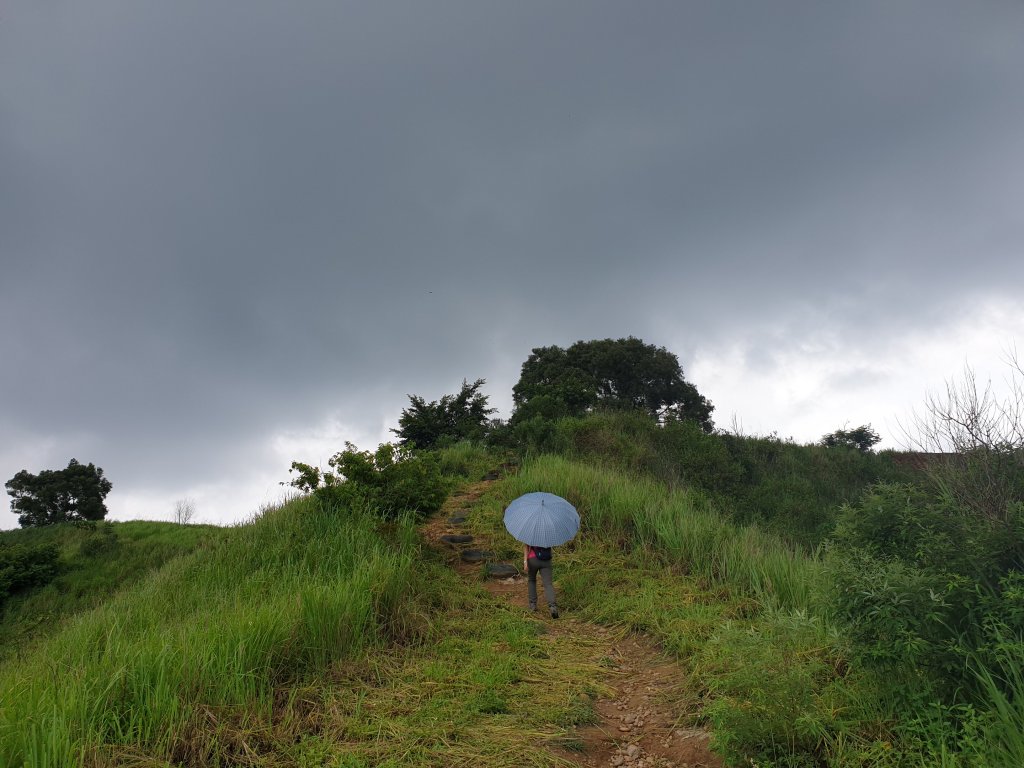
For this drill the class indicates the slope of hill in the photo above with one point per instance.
(322, 635)
(93, 564)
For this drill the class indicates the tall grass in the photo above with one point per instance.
(94, 563)
(1002, 682)
(679, 526)
(465, 459)
(162, 669)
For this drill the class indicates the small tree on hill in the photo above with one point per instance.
(863, 438)
(452, 418)
(615, 373)
(73, 494)
(184, 511)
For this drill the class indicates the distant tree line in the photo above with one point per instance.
(606, 374)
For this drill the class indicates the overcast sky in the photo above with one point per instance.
(234, 234)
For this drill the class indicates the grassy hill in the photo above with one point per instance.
(330, 635)
(93, 564)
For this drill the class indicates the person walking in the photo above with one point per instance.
(538, 560)
(540, 521)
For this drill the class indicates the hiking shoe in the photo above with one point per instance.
(554, 611)
(533, 607)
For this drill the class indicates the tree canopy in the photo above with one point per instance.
(75, 493)
(617, 373)
(450, 419)
(863, 438)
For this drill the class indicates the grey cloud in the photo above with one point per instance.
(218, 220)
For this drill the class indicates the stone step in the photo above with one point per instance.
(501, 570)
(476, 555)
(457, 519)
(456, 538)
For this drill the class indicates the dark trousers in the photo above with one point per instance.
(535, 566)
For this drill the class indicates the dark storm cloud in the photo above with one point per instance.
(218, 220)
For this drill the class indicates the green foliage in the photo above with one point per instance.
(1002, 681)
(680, 526)
(863, 438)
(905, 522)
(393, 480)
(903, 617)
(466, 460)
(92, 563)
(463, 416)
(776, 693)
(23, 566)
(75, 493)
(793, 490)
(160, 671)
(987, 481)
(920, 584)
(619, 373)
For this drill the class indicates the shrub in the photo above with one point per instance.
(920, 583)
(393, 479)
(23, 566)
(100, 541)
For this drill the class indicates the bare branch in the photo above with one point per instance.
(184, 511)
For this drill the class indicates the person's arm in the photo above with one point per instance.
(526, 553)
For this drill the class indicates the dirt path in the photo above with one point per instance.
(636, 727)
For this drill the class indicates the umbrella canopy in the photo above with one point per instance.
(542, 519)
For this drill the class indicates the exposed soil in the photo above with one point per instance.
(636, 727)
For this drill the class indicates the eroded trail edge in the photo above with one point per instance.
(634, 723)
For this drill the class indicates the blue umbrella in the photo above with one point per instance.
(542, 519)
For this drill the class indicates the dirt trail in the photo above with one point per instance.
(636, 727)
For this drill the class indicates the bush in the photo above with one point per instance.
(775, 692)
(904, 617)
(393, 480)
(23, 566)
(922, 584)
(100, 541)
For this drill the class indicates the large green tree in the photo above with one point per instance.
(618, 373)
(75, 493)
(455, 417)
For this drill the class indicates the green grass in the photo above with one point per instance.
(465, 460)
(178, 667)
(740, 608)
(309, 637)
(679, 528)
(486, 689)
(94, 564)
(319, 637)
